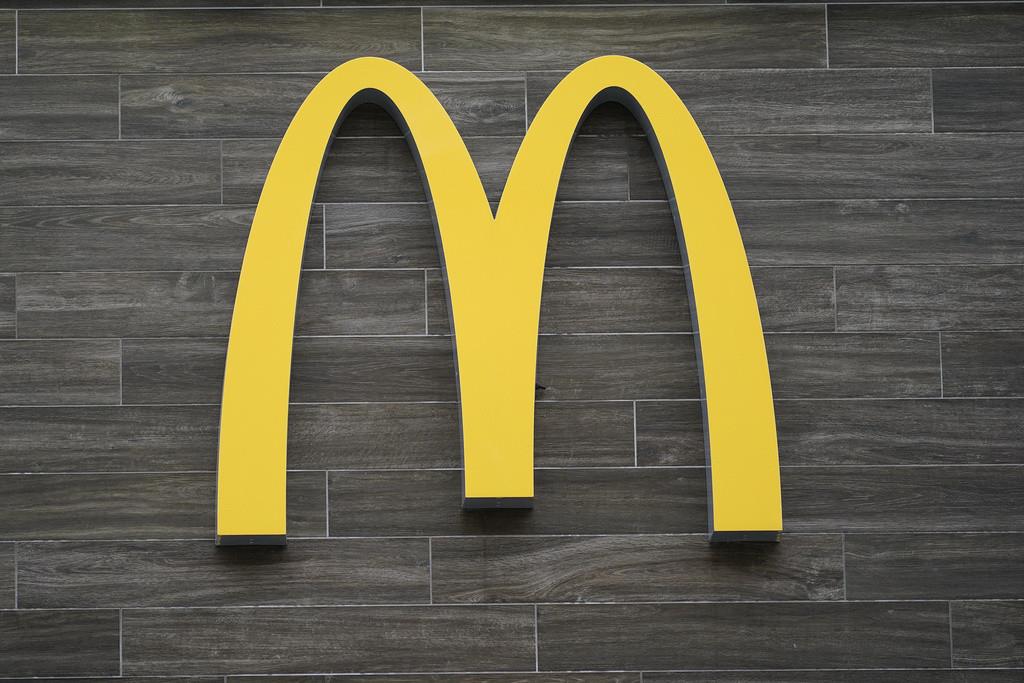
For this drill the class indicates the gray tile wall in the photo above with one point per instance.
(875, 153)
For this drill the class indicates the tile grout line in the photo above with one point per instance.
(16, 576)
(120, 372)
(423, 47)
(430, 569)
(323, 227)
(119, 108)
(327, 503)
(426, 303)
(16, 65)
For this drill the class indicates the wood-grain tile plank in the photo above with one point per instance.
(187, 304)
(930, 297)
(568, 501)
(663, 37)
(339, 639)
(988, 634)
(633, 569)
(978, 99)
(59, 643)
(58, 107)
(873, 232)
(616, 367)
(110, 172)
(904, 499)
(583, 434)
(869, 166)
(48, 507)
(199, 574)
(7, 580)
(766, 101)
(934, 566)
(109, 439)
(926, 34)
(41, 372)
(8, 42)
(136, 238)
(646, 636)
(8, 303)
(871, 365)
(983, 364)
(213, 40)
(209, 105)
(381, 235)
(893, 432)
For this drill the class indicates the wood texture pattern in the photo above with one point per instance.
(873, 153)
(7, 580)
(108, 439)
(988, 634)
(198, 574)
(665, 38)
(56, 107)
(907, 635)
(60, 372)
(945, 34)
(237, 41)
(939, 498)
(8, 42)
(983, 364)
(36, 643)
(978, 99)
(912, 566)
(8, 317)
(930, 298)
(255, 640)
(633, 569)
(171, 172)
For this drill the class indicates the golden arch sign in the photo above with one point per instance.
(494, 267)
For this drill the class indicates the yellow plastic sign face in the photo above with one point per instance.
(494, 269)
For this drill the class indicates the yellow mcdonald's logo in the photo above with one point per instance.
(494, 267)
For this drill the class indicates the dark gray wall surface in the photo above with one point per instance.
(875, 155)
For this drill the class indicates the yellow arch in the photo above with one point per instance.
(494, 269)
